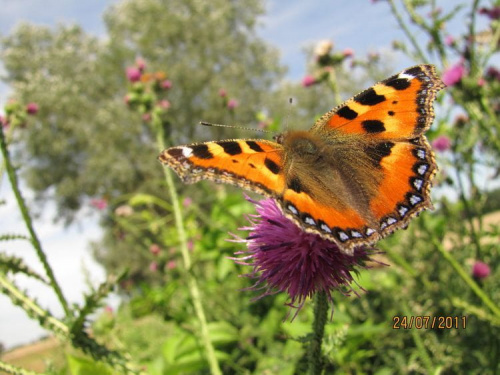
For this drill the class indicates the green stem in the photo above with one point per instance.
(29, 224)
(191, 281)
(32, 308)
(315, 357)
(10, 369)
(465, 276)
(409, 35)
(472, 43)
(334, 87)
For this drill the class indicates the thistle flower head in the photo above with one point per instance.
(287, 259)
(481, 270)
(441, 143)
(454, 74)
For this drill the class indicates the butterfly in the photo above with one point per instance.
(363, 170)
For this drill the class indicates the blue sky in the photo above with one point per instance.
(290, 26)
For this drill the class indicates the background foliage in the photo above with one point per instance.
(90, 146)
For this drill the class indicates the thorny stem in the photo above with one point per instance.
(315, 357)
(403, 26)
(472, 33)
(192, 284)
(61, 329)
(468, 209)
(29, 224)
(32, 308)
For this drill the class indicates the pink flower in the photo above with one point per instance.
(453, 74)
(264, 124)
(222, 93)
(171, 265)
(480, 270)
(146, 117)
(140, 63)
(492, 13)
(308, 80)
(441, 143)
(449, 40)
(187, 202)
(348, 52)
(154, 249)
(493, 73)
(4, 122)
(287, 259)
(165, 104)
(32, 108)
(481, 82)
(190, 245)
(99, 203)
(166, 84)
(153, 266)
(133, 74)
(232, 103)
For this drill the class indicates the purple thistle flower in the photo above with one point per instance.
(133, 74)
(32, 108)
(449, 40)
(232, 103)
(308, 81)
(166, 84)
(480, 270)
(99, 203)
(453, 74)
(287, 259)
(493, 13)
(441, 143)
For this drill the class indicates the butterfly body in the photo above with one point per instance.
(362, 171)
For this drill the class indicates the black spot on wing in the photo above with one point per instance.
(272, 166)
(379, 151)
(201, 151)
(397, 83)
(254, 146)
(415, 71)
(176, 153)
(369, 97)
(347, 113)
(295, 185)
(230, 147)
(391, 113)
(373, 126)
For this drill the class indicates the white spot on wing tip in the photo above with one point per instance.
(407, 76)
(187, 152)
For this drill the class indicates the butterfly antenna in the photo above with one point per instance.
(234, 127)
(287, 118)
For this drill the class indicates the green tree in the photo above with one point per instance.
(86, 143)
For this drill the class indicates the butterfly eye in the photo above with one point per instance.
(278, 138)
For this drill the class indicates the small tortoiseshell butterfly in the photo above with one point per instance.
(362, 171)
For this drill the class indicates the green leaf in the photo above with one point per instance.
(86, 366)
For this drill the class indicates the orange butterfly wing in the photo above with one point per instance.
(250, 164)
(391, 118)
